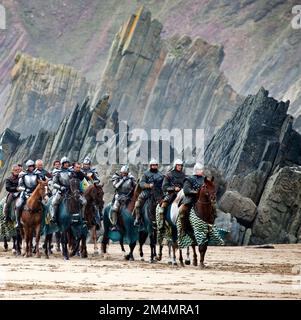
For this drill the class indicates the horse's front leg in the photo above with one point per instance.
(94, 238)
(195, 257)
(29, 242)
(181, 258)
(142, 239)
(187, 260)
(83, 249)
(160, 252)
(38, 236)
(5, 244)
(202, 250)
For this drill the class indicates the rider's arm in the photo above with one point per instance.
(56, 182)
(166, 186)
(21, 185)
(9, 186)
(143, 183)
(117, 182)
(187, 188)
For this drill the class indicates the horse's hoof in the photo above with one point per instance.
(47, 257)
(195, 263)
(127, 257)
(174, 264)
(182, 264)
(142, 259)
(159, 258)
(152, 261)
(66, 258)
(169, 262)
(131, 258)
(187, 262)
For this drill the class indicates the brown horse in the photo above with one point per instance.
(31, 218)
(202, 219)
(94, 196)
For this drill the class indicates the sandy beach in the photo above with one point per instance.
(231, 273)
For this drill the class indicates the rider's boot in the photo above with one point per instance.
(114, 216)
(6, 213)
(18, 216)
(55, 213)
(137, 213)
(184, 216)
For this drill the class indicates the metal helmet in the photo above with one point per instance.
(87, 160)
(153, 161)
(29, 163)
(64, 159)
(197, 167)
(177, 162)
(125, 169)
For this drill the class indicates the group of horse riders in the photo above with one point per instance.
(21, 184)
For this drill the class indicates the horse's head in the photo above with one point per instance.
(208, 190)
(95, 193)
(42, 188)
(74, 187)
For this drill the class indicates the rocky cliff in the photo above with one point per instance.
(257, 34)
(41, 95)
(166, 84)
(259, 154)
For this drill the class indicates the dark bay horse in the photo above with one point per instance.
(202, 218)
(125, 221)
(31, 218)
(94, 196)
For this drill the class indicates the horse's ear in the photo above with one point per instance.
(205, 179)
(212, 179)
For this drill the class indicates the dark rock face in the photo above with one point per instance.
(279, 211)
(41, 95)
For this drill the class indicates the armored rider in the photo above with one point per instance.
(124, 183)
(27, 184)
(191, 187)
(11, 186)
(90, 173)
(151, 184)
(172, 184)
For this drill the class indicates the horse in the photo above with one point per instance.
(202, 218)
(8, 230)
(170, 231)
(31, 218)
(94, 196)
(70, 222)
(149, 225)
(125, 221)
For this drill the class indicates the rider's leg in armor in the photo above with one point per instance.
(83, 203)
(184, 217)
(19, 207)
(138, 207)
(56, 204)
(162, 213)
(114, 214)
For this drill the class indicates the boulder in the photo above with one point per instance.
(240, 207)
(279, 211)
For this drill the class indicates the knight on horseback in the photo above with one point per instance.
(90, 173)
(43, 173)
(27, 184)
(150, 183)
(172, 184)
(11, 186)
(191, 187)
(124, 183)
(61, 184)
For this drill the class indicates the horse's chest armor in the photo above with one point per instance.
(30, 181)
(126, 187)
(65, 178)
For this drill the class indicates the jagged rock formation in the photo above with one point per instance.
(279, 211)
(257, 151)
(166, 84)
(41, 95)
